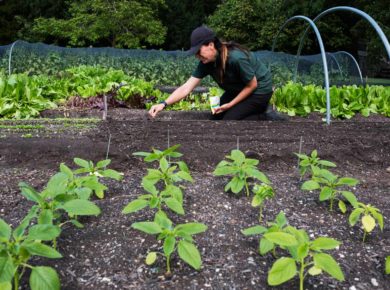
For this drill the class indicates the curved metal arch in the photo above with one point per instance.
(324, 60)
(354, 60)
(336, 61)
(350, 9)
(10, 57)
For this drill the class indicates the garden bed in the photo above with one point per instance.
(109, 254)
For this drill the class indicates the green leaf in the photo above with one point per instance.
(342, 206)
(190, 254)
(236, 184)
(310, 185)
(81, 162)
(7, 269)
(5, 231)
(329, 265)
(174, 205)
(44, 278)
(354, 216)
(350, 197)
(368, 223)
(191, 228)
(265, 246)
(112, 174)
(169, 245)
(323, 243)
(281, 238)
(224, 170)
(65, 169)
(253, 172)
(282, 270)
(147, 227)
(327, 163)
(135, 205)
(326, 193)
(151, 258)
(185, 176)
(39, 249)
(5, 286)
(314, 271)
(81, 207)
(45, 217)
(30, 193)
(44, 232)
(255, 230)
(103, 163)
(238, 156)
(164, 165)
(387, 265)
(348, 181)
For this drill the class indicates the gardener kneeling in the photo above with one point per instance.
(245, 79)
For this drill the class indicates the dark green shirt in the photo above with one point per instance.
(241, 67)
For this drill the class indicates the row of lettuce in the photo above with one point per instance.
(25, 96)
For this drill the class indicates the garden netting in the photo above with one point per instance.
(170, 68)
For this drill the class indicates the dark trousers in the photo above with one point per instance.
(248, 109)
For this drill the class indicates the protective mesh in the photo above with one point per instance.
(170, 67)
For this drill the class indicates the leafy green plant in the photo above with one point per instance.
(303, 253)
(240, 169)
(330, 185)
(277, 226)
(307, 162)
(370, 217)
(18, 246)
(174, 238)
(156, 154)
(261, 193)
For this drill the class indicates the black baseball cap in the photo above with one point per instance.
(201, 35)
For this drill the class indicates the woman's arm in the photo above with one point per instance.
(245, 92)
(180, 93)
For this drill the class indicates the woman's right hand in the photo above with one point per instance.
(155, 109)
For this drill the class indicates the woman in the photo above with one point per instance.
(246, 80)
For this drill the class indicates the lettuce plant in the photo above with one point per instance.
(330, 186)
(240, 169)
(277, 226)
(370, 217)
(171, 196)
(19, 245)
(174, 238)
(261, 193)
(303, 253)
(307, 162)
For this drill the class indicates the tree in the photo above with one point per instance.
(121, 23)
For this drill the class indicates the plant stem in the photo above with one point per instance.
(331, 204)
(261, 213)
(16, 280)
(301, 275)
(168, 264)
(364, 236)
(246, 187)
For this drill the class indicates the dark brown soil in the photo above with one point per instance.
(109, 254)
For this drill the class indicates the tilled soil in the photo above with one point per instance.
(109, 254)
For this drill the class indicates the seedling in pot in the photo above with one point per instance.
(171, 196)
(261, 193)
(303, 253)
(174, 238)
(277, 226)
(370, 217)
(240, 169)
(307, 162)
(18, 246)
(330, 186)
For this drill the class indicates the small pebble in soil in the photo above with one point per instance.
(388, 169)
(352, 288)
(374, 282)
(357, 279)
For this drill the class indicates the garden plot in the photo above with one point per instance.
(109, 254)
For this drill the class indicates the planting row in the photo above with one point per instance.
(69, 194)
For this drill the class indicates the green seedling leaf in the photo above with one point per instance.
(387, 267)
(5, 231)
(7, 269)
(310, 185)
(282, 270)
(169, 245)
(329, 265)
(185, 176)
(280, 238)
(103, 163)
(324, 244)
(44, 232)
(147, 227)
(190, 254)
(342, 206)
(265, 246)
(151, 258)
(81, 207)
(39, 249)
(255, 230)
(30, 193)
(326, 193)
(368, 223)
(81, 162)
(348, 181)
(350, 197)
(135, 205)
(110, 173)
(314, 271)
(44, 278)
(174, 205)
(5, 286)
(45, 217)
(354, 216)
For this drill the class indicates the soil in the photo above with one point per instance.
(109, 254)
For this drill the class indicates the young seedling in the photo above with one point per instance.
(261, 193)
(330, 184)
(240, 169)
(307, 162)
(174, 238)
(17, 247)
(156, 155)
(171, 196)
(277, 226)
(370, 217)
(303, 254)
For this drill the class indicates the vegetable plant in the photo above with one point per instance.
(303, 253)
(307, 162)
(331, 187)
(261, 193)
(156, 154)
(174, 238)
(19, 245)
(240, 169)
(370, 216)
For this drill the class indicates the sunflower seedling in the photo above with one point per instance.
(370, 217)
(261, 193)
(174, 238)
(240, 169)
(156, 155)
(308, 162)
(330, 184)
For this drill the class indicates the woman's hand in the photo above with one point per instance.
(222, 108)
(155, 109)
